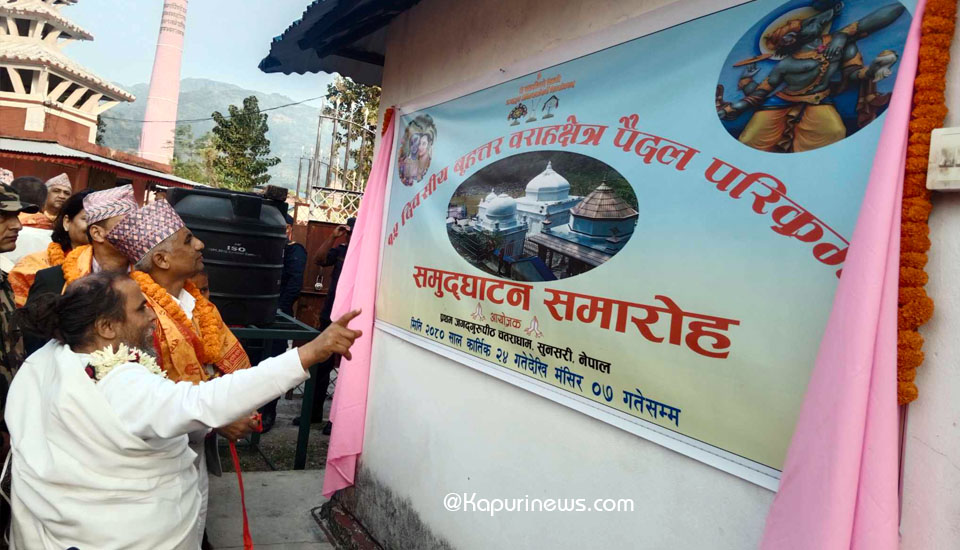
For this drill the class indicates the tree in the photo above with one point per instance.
(101, 130)
(240, 138)
(357, 106)
(193, 157)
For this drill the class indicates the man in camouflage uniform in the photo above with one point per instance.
(11, 340)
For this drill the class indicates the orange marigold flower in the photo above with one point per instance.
(914, 314)
(910, 294)
(913, 259)
(906, 392)
(919, 137)
(911, 276)
(936, 24)
(916, 209)
(924, 125)
(934, 111)
(907, 374)
(934, 83)
(55, 254)
(941, 8)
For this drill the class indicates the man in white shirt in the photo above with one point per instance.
(100, 451)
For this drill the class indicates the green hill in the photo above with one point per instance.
(293, 130)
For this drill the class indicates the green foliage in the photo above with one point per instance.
(360, 105)
(101, 130)
(241, 140)
(193, 158)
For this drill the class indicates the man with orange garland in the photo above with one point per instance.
(69, 232)
(104, 210)
(192, 342)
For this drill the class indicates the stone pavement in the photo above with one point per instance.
(279, 508)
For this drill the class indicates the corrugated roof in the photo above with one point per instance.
(38, 53)
(603, 203)
(336, 36)
(56, 150)
(43, 10)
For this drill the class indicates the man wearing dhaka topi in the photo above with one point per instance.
(58, 191)
(99, 434)
(192, 342)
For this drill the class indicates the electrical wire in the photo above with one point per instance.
(185, 120)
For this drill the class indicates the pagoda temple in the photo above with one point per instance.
(600, 225)
(41, 89)
(50, 105)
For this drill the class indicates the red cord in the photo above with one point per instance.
(247, 539)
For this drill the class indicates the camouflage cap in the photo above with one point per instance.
(10, 201)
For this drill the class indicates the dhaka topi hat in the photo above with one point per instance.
(59, 181)
(6, 176)
(137, 234)
(101, 205)
(10, 201)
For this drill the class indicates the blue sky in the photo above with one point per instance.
(225, 40)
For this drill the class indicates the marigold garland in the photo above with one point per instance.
(929, 112)
(206, 315)
(71, 271)
(204, 312)
(55, 254)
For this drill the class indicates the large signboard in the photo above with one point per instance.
(652, 232)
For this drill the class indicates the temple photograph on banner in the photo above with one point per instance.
(521, 218)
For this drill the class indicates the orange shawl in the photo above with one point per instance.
(179, 347)
(22, 275)
(38, 220)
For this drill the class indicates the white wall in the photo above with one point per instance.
(931, 499)
(435, 426)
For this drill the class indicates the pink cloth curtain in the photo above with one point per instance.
(839, 484)
(357, 289)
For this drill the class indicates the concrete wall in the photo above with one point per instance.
(931, 489)
(436, 427)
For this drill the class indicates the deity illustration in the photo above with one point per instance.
(516, 114)
(809, 86)
(416, 149)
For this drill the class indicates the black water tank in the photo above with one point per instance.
(244, 237)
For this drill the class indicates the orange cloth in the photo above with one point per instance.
(22, 275)
(177, 348)
(78, 263)
(39, 220)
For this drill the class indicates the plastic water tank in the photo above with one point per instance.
(244, 237)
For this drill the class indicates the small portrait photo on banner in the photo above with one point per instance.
(416, 149)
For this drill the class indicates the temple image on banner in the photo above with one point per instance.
(545, 234)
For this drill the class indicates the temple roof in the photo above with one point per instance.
(603, 203)
(36, 53)
(44, 11)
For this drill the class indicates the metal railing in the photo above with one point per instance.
(334, 182)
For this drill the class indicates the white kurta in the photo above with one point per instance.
(106, 464)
